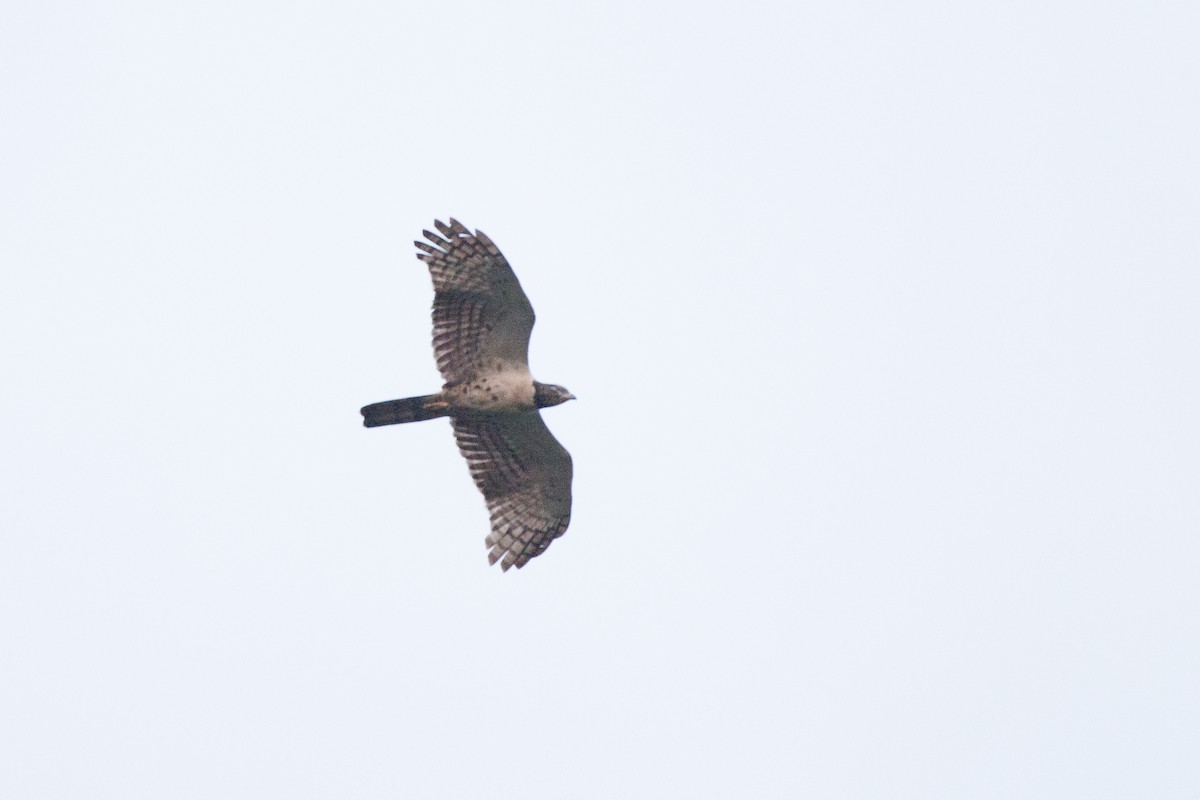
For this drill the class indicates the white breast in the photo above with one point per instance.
(507, 389)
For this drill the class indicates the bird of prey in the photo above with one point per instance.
(481, 325)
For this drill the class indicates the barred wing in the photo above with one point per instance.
(481, 316)
(525, 477)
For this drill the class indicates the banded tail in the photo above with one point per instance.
(409, 409)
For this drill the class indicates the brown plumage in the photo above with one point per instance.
(482, 321)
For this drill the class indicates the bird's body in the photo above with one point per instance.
(510, 388)
(481, 326)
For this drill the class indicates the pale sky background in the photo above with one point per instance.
(883, 320)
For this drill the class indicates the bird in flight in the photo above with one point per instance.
(481, 326)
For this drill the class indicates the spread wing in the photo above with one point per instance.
(525, 477)
(481, 317)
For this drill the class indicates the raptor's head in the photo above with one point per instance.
(547, 394)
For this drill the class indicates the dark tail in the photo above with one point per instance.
(410, 409)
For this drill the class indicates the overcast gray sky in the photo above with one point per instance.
(883, 323)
